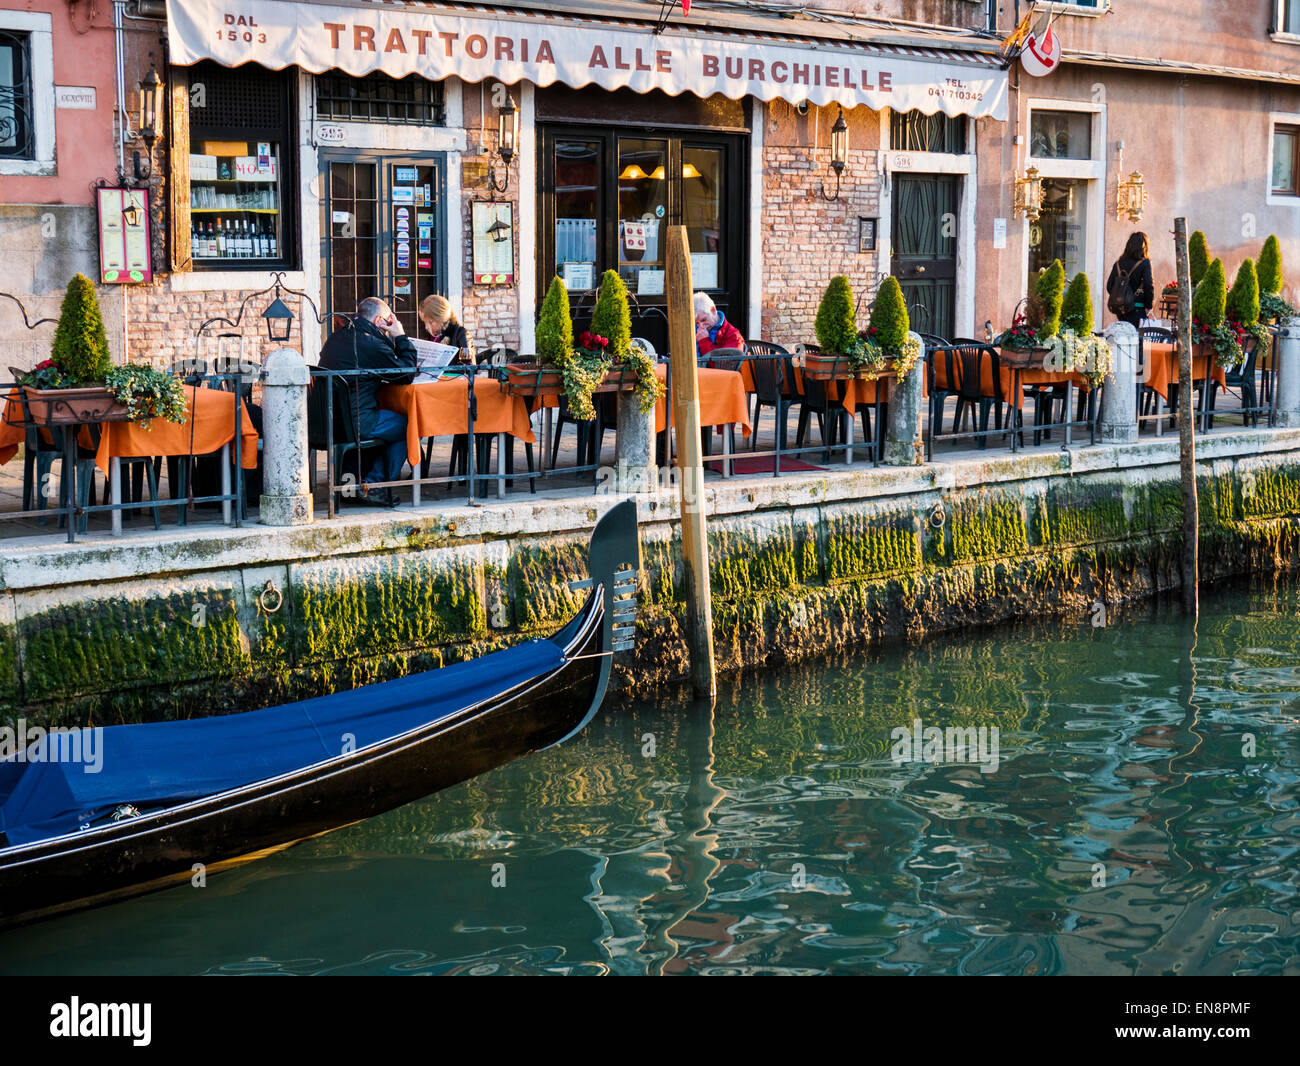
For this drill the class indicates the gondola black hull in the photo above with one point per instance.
(170, 846)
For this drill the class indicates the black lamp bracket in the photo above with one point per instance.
(278, 286)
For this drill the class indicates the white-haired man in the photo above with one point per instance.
(712, 330)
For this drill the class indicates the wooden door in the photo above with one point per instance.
(924, 258)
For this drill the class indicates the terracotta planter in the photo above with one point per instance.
(73, 406)
(619, 379)
(1023, 358)
(533, 379)
(836, 368)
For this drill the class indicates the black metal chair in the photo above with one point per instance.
(346, 439)
(773, 372)
(1146, 395)
(967, 368)
(1241, 378)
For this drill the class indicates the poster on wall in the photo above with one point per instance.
(494, 243)
(124, 236)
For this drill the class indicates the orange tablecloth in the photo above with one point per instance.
(1162, 367)
(440, 408)
(12, 432)
(723, 399)
(213, 419)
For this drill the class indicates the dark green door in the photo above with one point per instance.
(924, 256)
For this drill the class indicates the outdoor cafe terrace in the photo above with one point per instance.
(765, 415)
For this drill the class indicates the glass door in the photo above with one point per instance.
(606, 198)
(383, 225)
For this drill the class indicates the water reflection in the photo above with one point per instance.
(1125, 830)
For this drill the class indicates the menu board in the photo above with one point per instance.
(494, 243)
(124, 242)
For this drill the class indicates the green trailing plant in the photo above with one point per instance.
(1198, 256)
(611, 317)
(80, 343)
(1050, 289)
(147, 393)
(1269, 266)
(1210, 299)
(1076, 308)
(836, 324)
(554, 325)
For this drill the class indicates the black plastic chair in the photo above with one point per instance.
(967, 368)
(1146, 395)
(774, 387)
(346, 438)
(1242, 378)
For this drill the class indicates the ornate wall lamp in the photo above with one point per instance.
(1130, 192)
(1028, 202)
(839, 153)
(150, 96)
(507, 142)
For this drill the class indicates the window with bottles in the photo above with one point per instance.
(240, 168)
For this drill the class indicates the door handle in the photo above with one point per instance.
(920, 270)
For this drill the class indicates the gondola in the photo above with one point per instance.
(173, 798)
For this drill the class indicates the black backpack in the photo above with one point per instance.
(1121, 302)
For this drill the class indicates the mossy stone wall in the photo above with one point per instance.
(790, 580)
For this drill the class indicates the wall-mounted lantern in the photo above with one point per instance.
(507, 142)
(150, 95)
(1028, 201)
(1130, 192)
(839, 153)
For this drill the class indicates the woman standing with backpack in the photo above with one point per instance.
(1130, 291)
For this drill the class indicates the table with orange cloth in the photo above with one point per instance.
(1162, 368)
(723, 399)
(850, 392)
(213, 423)
(12, 430)
(440, 408)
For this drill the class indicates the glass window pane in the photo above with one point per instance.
(702, 199)
(1291, 18)
(1060, 134)
(1284, 161)
(642, 204)
(577, 212)
(1060, 232)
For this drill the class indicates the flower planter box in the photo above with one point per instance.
(73, 406)
(618, 379)
(1023, 358)
(532, 379)
(837, 368)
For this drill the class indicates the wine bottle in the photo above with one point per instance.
(259, 241)
(212, 241)
(194, 239)
(222, 250)
(274, 250)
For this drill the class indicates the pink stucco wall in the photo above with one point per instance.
(84, 148)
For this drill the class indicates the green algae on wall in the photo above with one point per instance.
(865, 543)
(538, 579)
(119, 644)
(986, 527)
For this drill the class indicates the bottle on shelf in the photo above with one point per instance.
(241, 239)
(211, 251)
(273, 251)
(222, 250)
(195, 226)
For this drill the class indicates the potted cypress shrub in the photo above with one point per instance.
(1273, 307)
(1026, 343)
(80, 384)
(844, 351)
(888, 328)
(1074, 349)
(1209, 314)
(554, 340)
(1198, 257)
(611, 322)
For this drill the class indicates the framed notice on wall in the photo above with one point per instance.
(493, 226)
(124, 236)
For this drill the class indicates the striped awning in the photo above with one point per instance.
(512, 44)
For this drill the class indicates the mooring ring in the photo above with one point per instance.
(938, 516)
(271, 592)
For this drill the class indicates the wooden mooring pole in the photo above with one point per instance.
(690, 465)
(1186, 438)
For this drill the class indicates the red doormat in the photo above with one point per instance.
(763, 466)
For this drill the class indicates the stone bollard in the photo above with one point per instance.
(1288, 374)
(1118, 420)
(286, 499)
(903, 433)
(634, 455)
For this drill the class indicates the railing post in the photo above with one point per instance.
(1288, 373)
(286, 497)
(634, 455)
(1119, 412)
(903, 439)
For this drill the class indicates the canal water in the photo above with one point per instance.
(1133, 809)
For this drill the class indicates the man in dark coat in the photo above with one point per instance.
(375, 341)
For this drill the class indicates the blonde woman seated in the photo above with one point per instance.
(445, 328)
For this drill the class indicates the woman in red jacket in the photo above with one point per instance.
(712, 330)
